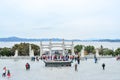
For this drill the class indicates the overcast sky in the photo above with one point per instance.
(69, 19)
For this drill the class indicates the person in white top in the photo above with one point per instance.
(4, 72)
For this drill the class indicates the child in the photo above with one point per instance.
(27, 66)
(8, 74)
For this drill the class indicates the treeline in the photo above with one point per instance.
(91, 49)
(23, 50)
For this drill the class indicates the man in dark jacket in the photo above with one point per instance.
(103, 65)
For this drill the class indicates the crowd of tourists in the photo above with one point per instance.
(58, 57)
(6, 71)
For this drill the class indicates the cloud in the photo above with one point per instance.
(63, 18)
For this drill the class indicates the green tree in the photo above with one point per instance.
(23, 49)
(69, 51)
(36, 49)
(78, 48)
(101, 50)
(107, 51)
(6, 52)
(117, 52)
(90, 49)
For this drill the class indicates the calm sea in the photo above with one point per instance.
(110, 45)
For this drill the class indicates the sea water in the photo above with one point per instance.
(110, 45)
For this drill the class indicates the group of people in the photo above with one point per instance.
(35, 58)
(58, 57)
(95, 58)
(103, 64)
(6, 72)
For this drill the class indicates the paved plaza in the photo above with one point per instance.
(87, 70)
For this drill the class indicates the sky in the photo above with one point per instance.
(69, 19)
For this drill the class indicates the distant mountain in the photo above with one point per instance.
(107, 40)
(17, 39)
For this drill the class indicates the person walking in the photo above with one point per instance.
(76, 67)
(4, 72)
(78, 60)
(27, 66)
(103, 66)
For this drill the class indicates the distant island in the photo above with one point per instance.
(17, 39)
